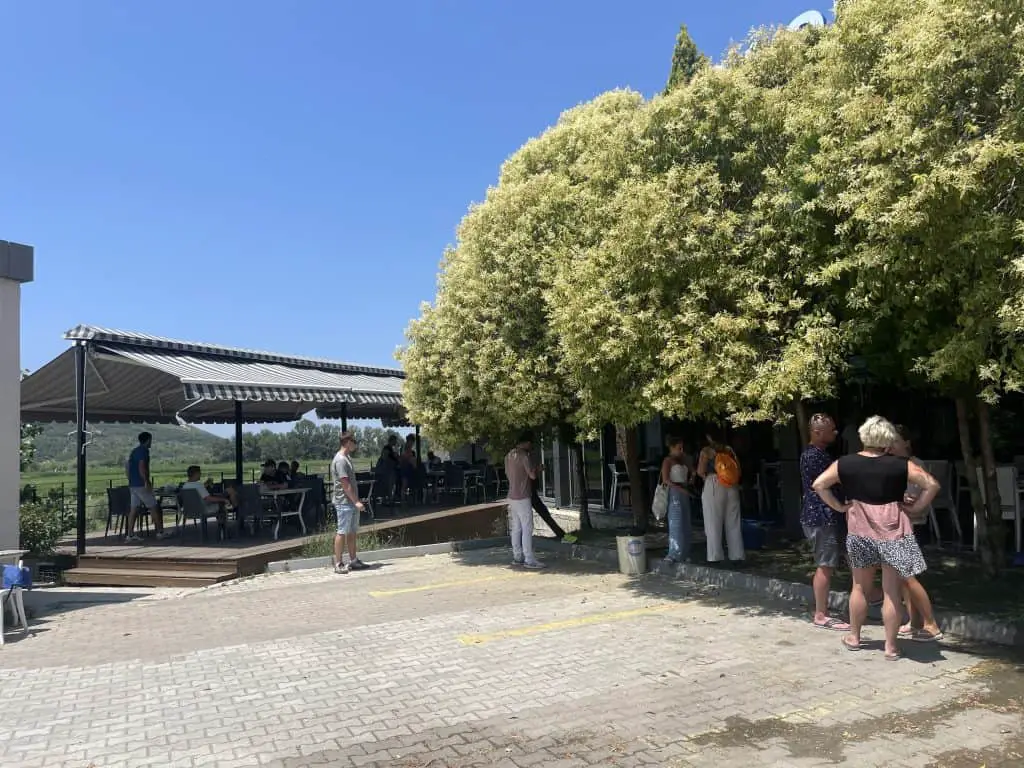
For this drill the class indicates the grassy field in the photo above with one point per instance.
(98, 479)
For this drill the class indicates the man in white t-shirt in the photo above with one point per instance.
(194, 482)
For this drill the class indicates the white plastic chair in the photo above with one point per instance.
(13, 598)
(620, 482)
(945, 473)
(1009, 500)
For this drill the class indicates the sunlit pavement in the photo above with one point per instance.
(464, 661)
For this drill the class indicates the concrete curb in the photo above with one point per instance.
(375, 555)
(963, 625)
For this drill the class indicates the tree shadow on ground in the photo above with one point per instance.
(734, 601)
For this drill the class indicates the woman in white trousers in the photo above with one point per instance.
(721, 505)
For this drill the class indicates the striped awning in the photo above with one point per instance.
(134, 377)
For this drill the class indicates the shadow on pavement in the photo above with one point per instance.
(739, 602)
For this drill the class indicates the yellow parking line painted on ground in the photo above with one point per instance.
(581, 621)
(447, 584)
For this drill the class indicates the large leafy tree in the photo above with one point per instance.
(483, 361)
(702, 295)
(914, 108)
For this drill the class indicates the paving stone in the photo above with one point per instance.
(575, 666)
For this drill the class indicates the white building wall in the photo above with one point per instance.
(15, 268)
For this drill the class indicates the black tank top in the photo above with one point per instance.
(873, 479)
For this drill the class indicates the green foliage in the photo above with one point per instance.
(687, 60)
(27, 446)
(917, 113)
(42, 524)
(724, 249)
(484, 361)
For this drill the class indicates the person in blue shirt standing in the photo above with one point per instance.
(140, 484)
(818, 520)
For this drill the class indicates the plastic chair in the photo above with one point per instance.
(620, 482)
(945, 473)
(13, 598)
(455, 481)
(193, 507)
(119, 505)
(1009, 500)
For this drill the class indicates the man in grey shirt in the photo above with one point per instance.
(347, 505)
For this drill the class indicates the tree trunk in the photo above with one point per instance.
(801, 422)
(989, 564)
(581, 480)
(629, 448)
(994, 531)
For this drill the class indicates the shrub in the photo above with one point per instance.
(42, 527)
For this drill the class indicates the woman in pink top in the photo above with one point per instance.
(880, 533)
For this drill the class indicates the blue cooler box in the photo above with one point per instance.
(753, 534)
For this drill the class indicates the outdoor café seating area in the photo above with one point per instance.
(258, 511)
(248, 510)
(440, 483)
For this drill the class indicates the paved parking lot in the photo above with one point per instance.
(462, 661)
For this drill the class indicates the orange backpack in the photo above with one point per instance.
(727, 468)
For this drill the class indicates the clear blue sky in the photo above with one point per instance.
(312, 158)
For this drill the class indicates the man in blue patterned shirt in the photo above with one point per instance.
(818, 520)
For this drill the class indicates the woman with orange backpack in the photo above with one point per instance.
(720, 469)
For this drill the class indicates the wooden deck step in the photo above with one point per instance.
(147, 563)
(145, 577)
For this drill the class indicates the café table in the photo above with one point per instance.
(278, 496)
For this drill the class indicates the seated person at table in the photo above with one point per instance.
(386, 470)
(294, 471)
(433, 462)
(271, 478)
(407, 464)
(213, 500)
(285, 473)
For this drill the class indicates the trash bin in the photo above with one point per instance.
(632, 555)
(753, 534)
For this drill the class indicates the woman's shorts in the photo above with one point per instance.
(902, 555)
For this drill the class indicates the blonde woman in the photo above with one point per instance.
(880, 532)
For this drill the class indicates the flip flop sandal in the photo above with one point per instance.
(906, 632)
(849, 646)
(893, 656)
(924, 636)
(833, 624)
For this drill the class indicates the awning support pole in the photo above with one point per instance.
(238, 442)
(344, 417)
(419, 453)
(80, 445)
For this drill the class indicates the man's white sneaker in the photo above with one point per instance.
(535, 566)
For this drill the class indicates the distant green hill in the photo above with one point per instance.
(111, 444)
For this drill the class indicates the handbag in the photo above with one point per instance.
(660, 504)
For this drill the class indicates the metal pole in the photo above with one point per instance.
(344, 417)
(238, 442)
(80, 448)
(419, 453)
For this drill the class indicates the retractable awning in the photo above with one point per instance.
(141, 378)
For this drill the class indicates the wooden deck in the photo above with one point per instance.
(184, 561)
